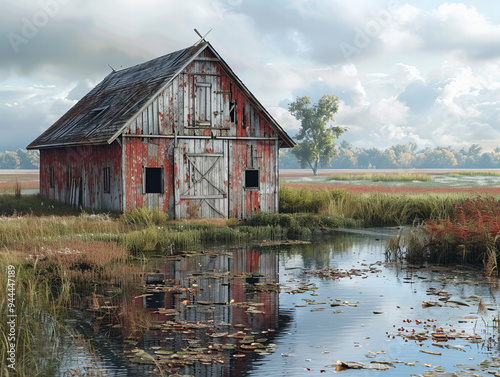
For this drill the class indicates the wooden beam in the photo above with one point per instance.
(202, 137)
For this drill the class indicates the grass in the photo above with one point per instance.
(486, 173)
(40, 308)
(49, 280)
(470, 235)
(375, 209)
(33, 205)
(62, 257)
(382, 177)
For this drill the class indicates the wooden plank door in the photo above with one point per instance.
(201, 179)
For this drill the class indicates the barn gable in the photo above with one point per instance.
(194, 141)
(102, 115)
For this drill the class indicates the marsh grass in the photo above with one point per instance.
(469, 235)
(486, 173)
(382, 177)
(294, 224)
(51, 279)
(40, 308)
(144, 217)
(62, 259)
(375, 209)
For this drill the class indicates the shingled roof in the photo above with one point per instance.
(101, 116)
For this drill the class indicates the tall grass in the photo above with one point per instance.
(142, 216)
(487, 173)
(382, 177)
(469, 236)
(40, 308)
(50, 280)
(375, 209)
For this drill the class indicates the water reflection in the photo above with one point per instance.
(209, 307)
(222, 313)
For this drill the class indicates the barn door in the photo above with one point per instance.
(201, 179)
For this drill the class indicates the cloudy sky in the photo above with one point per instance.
(426, 71)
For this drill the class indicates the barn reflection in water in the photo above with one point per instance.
(212, 311)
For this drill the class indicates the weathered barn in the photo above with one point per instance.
(180, 132)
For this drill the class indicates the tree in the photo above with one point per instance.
(316, 136)
(9, 160)
(28, 159)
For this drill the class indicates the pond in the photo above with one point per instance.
(298, 310)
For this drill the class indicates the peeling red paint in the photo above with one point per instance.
(151, 152)
(162, 119)
(85, 185)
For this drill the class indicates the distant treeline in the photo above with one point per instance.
(347, 157)
(402, 156)
(20, 159)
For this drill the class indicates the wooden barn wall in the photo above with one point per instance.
(148, 153)
(78, 176)
(173, 112)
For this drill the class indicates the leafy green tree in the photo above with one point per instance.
(28, 159)
(316, 136)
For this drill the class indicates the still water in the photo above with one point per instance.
(297, 310)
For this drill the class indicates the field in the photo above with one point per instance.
(28, 179)
(442, 181)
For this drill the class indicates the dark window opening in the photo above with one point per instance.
(153, 180)
(232, 111)
(106, 180)
(251, 179)
(51, 177)
(69, 177)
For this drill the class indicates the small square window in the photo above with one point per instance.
(153, 178)
(51, 177)
(252, 179)
(106, 177)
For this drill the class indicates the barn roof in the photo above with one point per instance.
(102, 115)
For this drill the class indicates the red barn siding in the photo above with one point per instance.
(87, 164)
(170, 121)
(157, 153)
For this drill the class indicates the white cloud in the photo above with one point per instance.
(285, 119)
(427, 73)
(389, 112)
